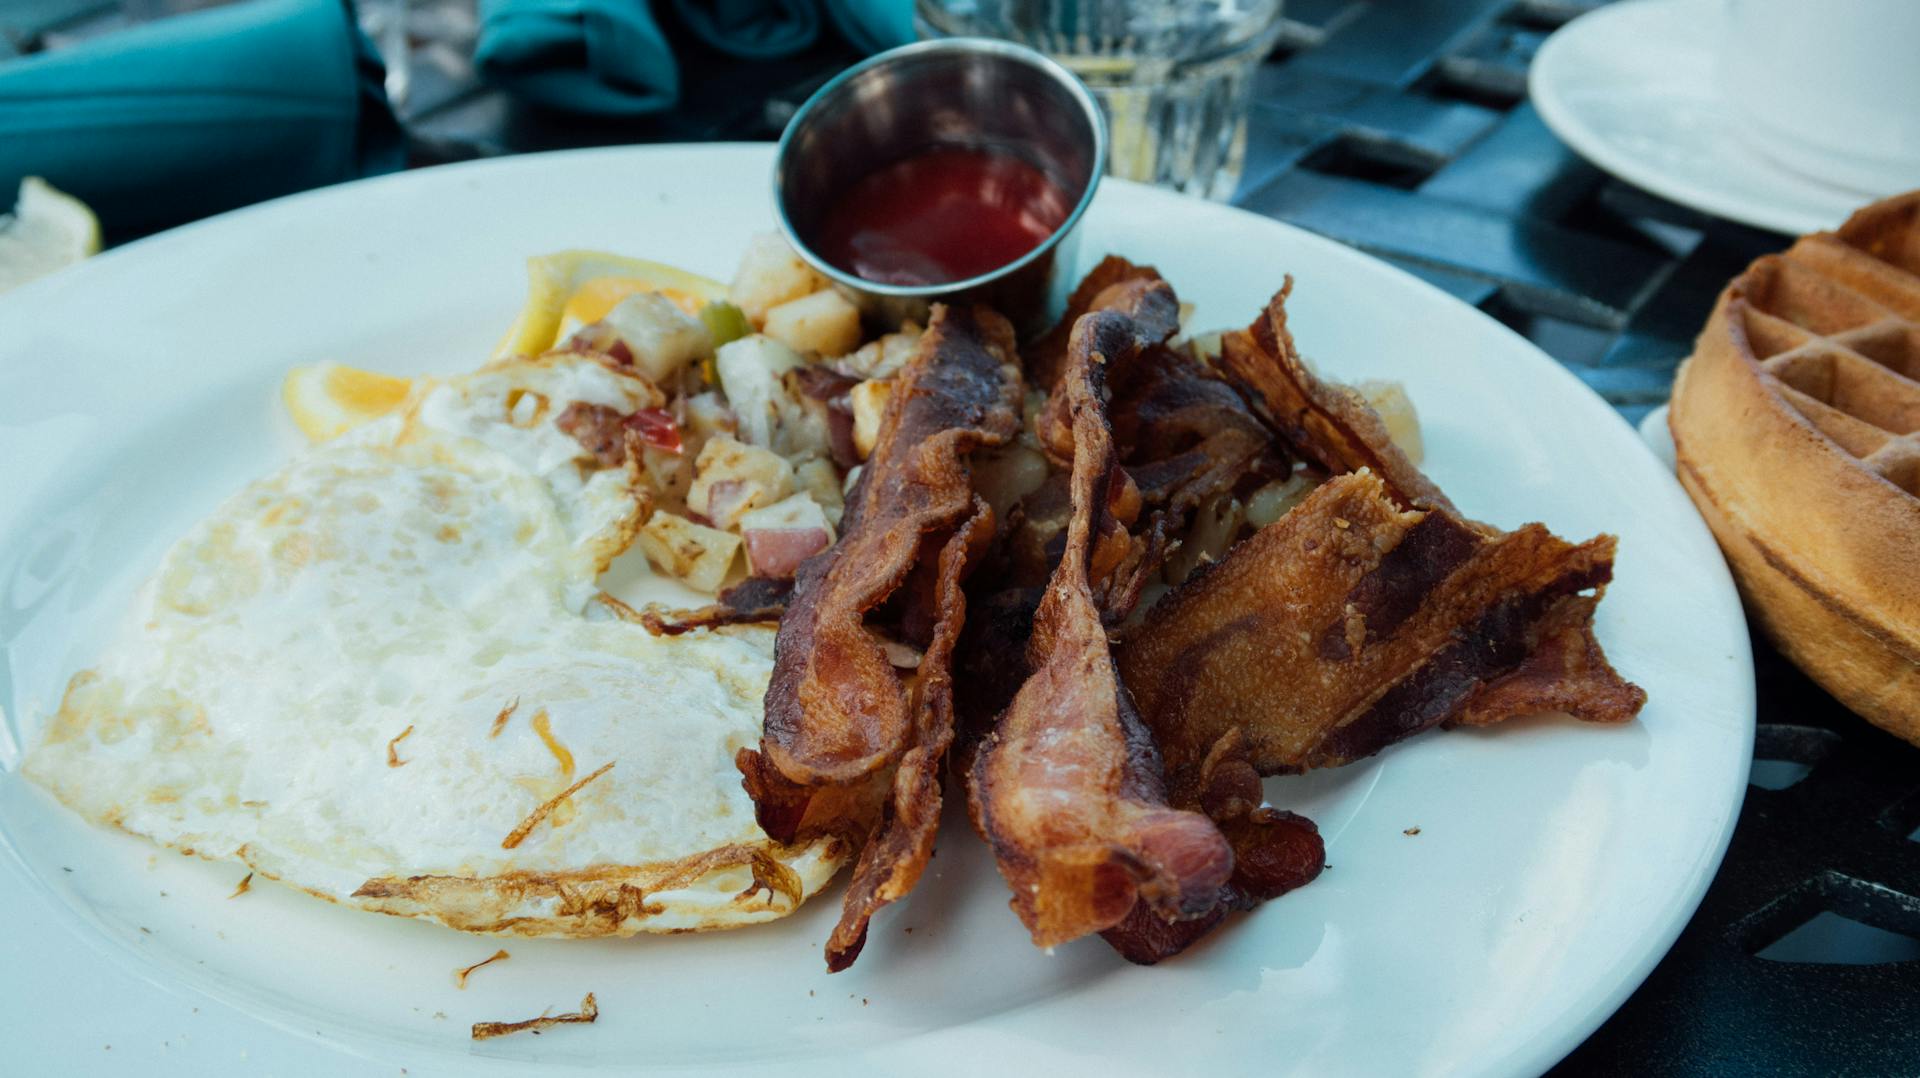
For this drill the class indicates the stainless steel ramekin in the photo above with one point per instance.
(970, 93)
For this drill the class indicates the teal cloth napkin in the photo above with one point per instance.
(752, 29)
(195, 114)
(600, 56)
(873, 25)
(612, 57)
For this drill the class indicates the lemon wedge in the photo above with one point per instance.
(47, 230)
(328, 399)
(570, 289)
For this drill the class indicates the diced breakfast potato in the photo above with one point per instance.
(669, 472)
(1396, 411)
(771, 274)
(884, 356)
(806, 427)
(1205, 346)
(1271, 502)
(708, 415)
(818, 479)
(869, 400)
(824, 323)
(732, 478)
(648, 331)
(750, 370)
(1215, 524)
(779, 537)
(1006, 475)
(696, 555)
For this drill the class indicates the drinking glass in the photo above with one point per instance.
(1174, 76)
(385, 24)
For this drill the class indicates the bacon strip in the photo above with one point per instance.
(851, 745)
(1114, 284)
(1067, 789)
(1152, 315)
(1329, 423)
(1350, 624)
(1186, 435)
(1273, 853)
(1183, 433)
(1369, 613)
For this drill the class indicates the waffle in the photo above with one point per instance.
(1797, 427)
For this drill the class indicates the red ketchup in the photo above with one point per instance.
(943, 216)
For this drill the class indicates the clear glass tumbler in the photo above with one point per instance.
(1174, 76)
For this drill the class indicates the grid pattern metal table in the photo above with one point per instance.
(1401, 127)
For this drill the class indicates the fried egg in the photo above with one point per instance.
(378, 675)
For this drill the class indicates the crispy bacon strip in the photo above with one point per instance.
(1273, 853)
(1352, 623)
(901, 845)
(1152, 315)
(1185, 435)
(1114, 284)
(852, 746)
(1067, 789)
(1329, 423)
(1370, 612)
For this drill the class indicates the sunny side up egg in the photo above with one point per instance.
(372, 673)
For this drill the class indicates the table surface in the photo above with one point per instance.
(1401, 127)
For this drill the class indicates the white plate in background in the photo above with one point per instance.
(1630, 87)
(1554, 864)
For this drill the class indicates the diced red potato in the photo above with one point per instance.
(698, 556)
(732, 478)
(869, 404)
(707, 415)
(818, 479)
(1390, 400)
(1271, 502)
(647, 331)
(670, 473)
(806, 421)
(1216, 524)
(901, 656)
(781, 536)
(771, 274)
(776, 553)
(1006, 475)
(824, 323)
(702, 416)
(883, 357)
(750, 374)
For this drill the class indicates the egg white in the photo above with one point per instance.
(315, 680)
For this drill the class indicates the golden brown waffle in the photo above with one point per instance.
(1797, 427)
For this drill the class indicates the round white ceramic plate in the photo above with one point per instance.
(1631, 88)
(1554, 862)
